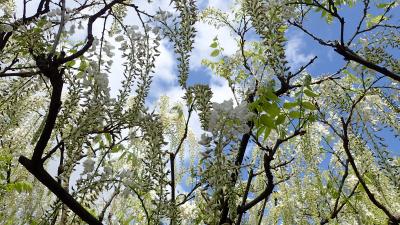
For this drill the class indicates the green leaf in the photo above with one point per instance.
(282, 28)
(307, 80)
(116, 148)
(281, 119)
(83, 66)
(272, 109)
(383, 5)
(20, 186)
(215, 53)
(214, 45)
(309, 105)
(312, 118)
(271, 95)
(178, 110)
(267, 121)
(267, 132)
(294, 114)
(80, 75)
(310, 93)
(36, 135)
(70, 63)
(41, 22)
(373, 20)
(260, 131)
(328, 17)
(108, 137)
(290, 105)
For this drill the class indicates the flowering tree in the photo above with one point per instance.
(290, 146)
(42, 63)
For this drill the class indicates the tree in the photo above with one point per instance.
(291, 147)
(89, 122)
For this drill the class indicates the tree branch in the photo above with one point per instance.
(348, 54)
(45, 178)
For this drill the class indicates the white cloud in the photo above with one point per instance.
(165, 65)
(164, 77)
(294, 51)
(175, 93)
(204, 37)
(220, 88)
(206, 33)
(223, 5)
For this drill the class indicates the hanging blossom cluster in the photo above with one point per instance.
(88, 165)
(227, 119)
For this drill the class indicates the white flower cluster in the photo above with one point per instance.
(205, 139)
(162, 15)
(107, 171)
(119, 38)
(371, 108)
(100, 78)
(102, 81)
(189, 211)
(58, 12)
(88, 166)
(134, 32)
(226, 120)
(107, 48)
(232, 119)
(95, 42)
(6, 28)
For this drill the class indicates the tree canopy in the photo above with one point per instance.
(293, 145)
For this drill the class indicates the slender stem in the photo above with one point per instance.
(262, 212)
(60, 28)
(246, 193)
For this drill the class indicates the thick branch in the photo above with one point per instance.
(55, 104)
(20, 74)
(45, 178)
(348, 54)
(268, 190)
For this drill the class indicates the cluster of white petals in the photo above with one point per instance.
(88, 166)
(102, 81)
(224, 112)
(6, 28)
(205, 139)
(162, 15)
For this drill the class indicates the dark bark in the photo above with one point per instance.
(49, 66)
(90, 37)
(346, 145)
(268, 190)
(35, 166)
(246, 193)
(348, 54)
(172, 161)
(40, 173)
(4, 37)
(239, 159)
(55, 104)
